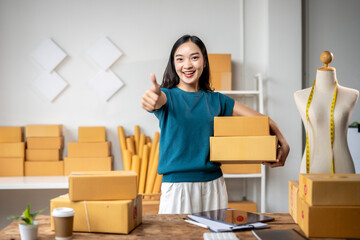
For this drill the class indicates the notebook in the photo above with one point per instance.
(283, 234)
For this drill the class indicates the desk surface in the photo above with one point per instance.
(152, 227)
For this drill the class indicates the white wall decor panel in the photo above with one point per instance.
(104, 53)
(50, 85)
(106, 84)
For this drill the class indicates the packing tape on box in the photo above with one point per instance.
(87, 216)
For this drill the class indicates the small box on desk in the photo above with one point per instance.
(44, 168)
(253, 149)
(98, 185)
(241, 126)
(328, 221)
(15, 149)
(92, 134)
(293, 198)
(85, 149)
(150, 203)
(117, 216)
(11, 134)
(330, 189)
(86, 164)
(11, 167)
(247, 206)
(45, 142)
(241, 168)
(43, 130)
(43, 154)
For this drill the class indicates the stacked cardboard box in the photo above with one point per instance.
(220, 71)
(12, 152)
(328, 205)
(242, 140)
(104, 201)
(90, 153)
(44, 150)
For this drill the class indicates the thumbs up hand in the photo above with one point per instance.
(153, 98)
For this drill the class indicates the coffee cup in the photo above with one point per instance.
(63, 222)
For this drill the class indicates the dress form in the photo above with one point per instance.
(318, 126)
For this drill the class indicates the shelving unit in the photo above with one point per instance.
(259, 94)
(41, 182)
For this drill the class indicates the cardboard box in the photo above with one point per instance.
(330, 189)
(247, 206)
(43, 154)
(119, 216)
(12, 149)
(11, 134)
(81, 149)
(328, 221)
(220, 71)
(87, 164)
(253, 149)
(241, 126)
(43, 130)
(241, 168)
(106, 185)
(92, 134)
(12, 167)
(44, 168)
(293, 195)
(45, 142)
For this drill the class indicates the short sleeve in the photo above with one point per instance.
(159, 113)
(227, 104)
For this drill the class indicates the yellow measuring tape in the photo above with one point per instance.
(331, 128)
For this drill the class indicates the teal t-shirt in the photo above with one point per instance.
(186, 122)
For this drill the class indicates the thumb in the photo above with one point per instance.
(156, 86)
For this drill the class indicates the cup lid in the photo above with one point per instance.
(63, 212)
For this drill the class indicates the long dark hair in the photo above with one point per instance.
(171, 79)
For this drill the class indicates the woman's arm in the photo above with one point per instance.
(283, 149)
(153, 98)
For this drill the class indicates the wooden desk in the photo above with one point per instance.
(153, 227)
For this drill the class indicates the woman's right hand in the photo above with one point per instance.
(153, 98)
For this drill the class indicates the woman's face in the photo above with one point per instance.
(189, 65)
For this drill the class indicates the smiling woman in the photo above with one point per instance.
(186, 106)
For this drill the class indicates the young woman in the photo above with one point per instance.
(186, 106)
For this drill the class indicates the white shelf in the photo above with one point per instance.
(242, 93)
(41, 182)
(249, 175)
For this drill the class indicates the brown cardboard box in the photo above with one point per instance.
(102, 185)
(293, 196)
(44, 168)
(253, 149)
(328, 221)
(12, 149)
(87, 164)
(43, 131)
(247, 206)
(43, 154)
(81, 149)
(12, 167)
(45, 142)
(330, 189)
(220, 71)
(241, 126)
(92, 134)
(11, 134)
(241, 168)
(118, 216)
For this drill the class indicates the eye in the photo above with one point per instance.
(178, 59)
(195, 57)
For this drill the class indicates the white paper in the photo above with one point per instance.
(104, 53)
(48, 55)
(106, 84)
(50, 85)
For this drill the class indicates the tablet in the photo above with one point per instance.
(233, 216)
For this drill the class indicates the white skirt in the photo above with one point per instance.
(193, 197)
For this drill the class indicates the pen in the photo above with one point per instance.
(196, 223)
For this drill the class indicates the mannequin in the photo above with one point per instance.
(318, 126)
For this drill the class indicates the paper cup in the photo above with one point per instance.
(63, 221)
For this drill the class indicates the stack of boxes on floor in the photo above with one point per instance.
(104, 201)
(220, 71)
(326, 205)
(90, 153)
(12, 152)
(242, 140)
(44, 150)
(141, 155)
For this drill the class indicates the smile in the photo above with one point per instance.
(189, 74)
